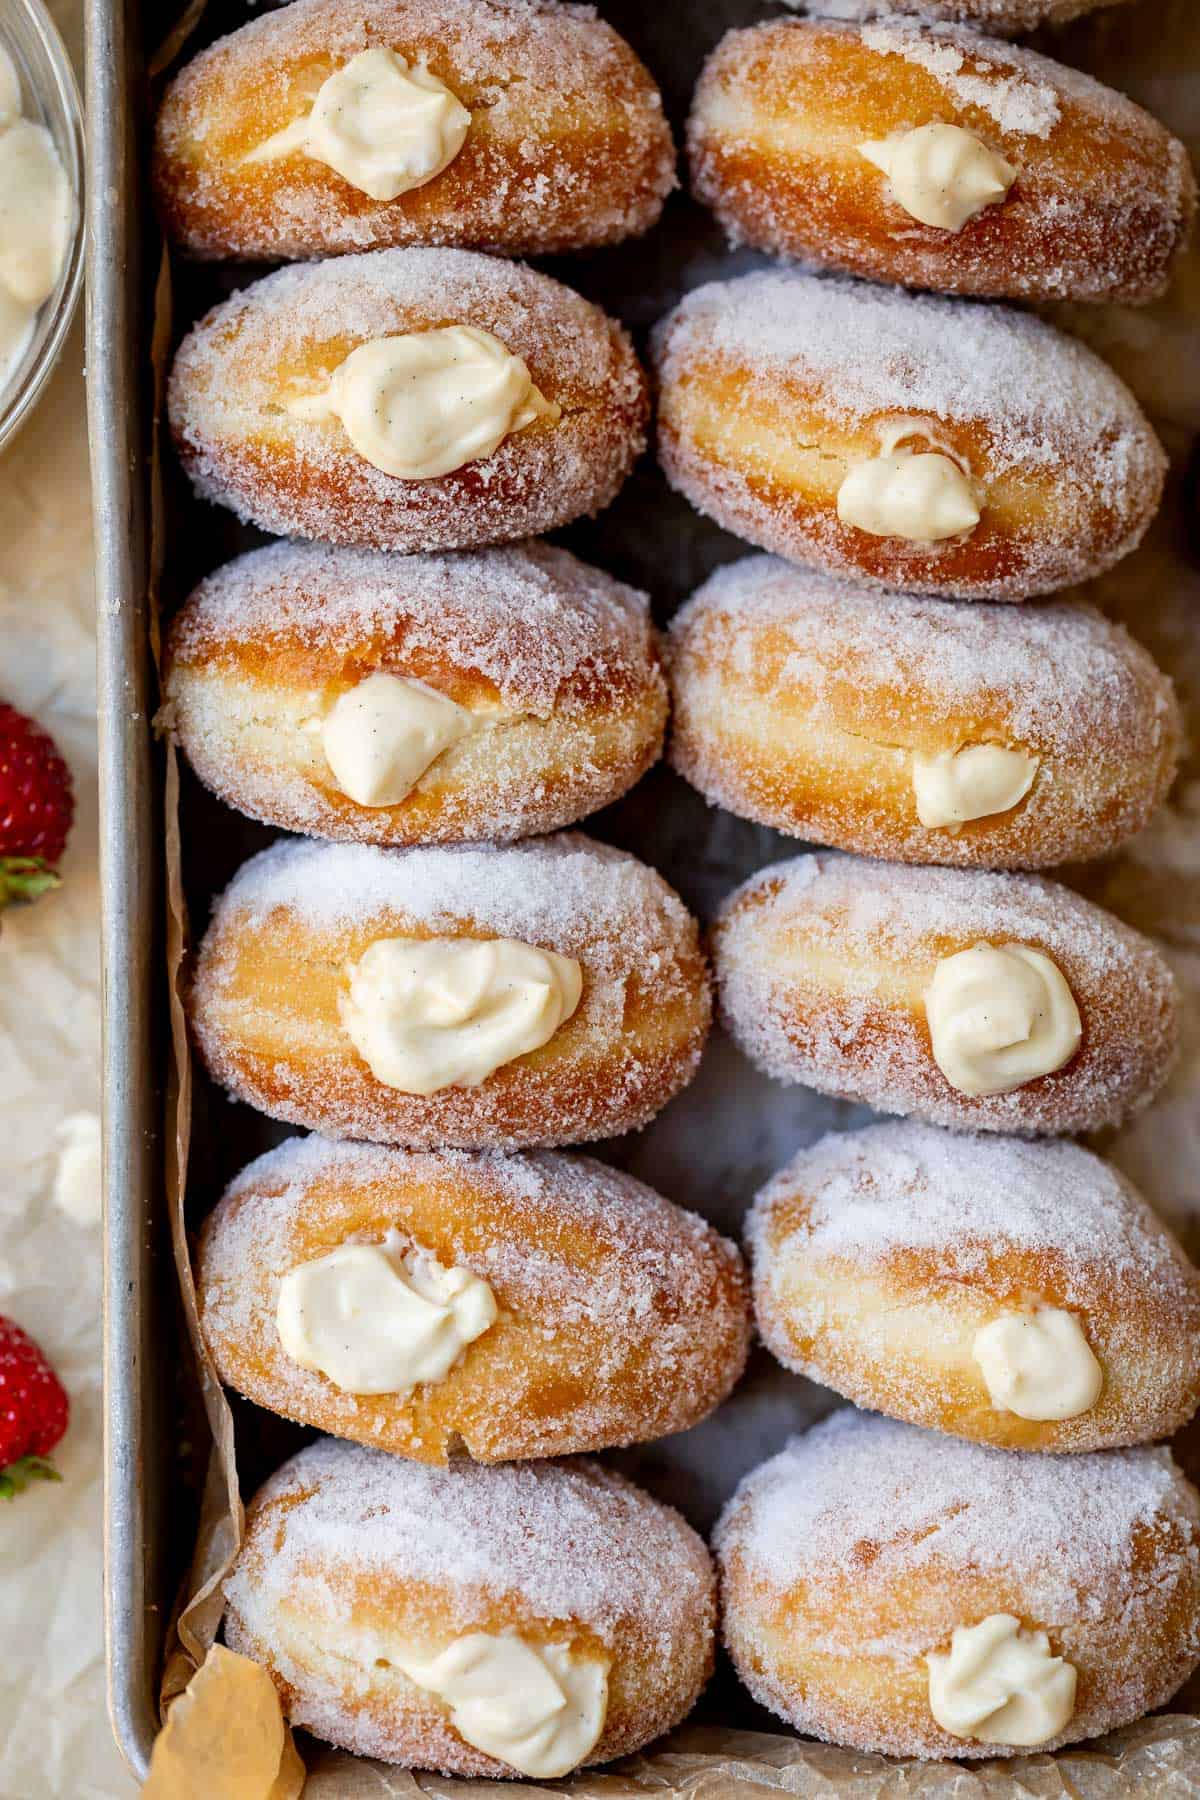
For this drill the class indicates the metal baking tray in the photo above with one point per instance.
(712, 1147)
(153, 1442)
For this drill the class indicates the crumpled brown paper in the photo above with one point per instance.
(225, 1738)
(1157, 885)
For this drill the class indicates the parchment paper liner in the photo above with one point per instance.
(1157, 887)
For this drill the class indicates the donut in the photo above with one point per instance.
(338, 125)
(967, 451)
(486, 997)
(389, 699)
(1012, 1291)
(995, 736)
(478, 1621)
(934, 158)
(407, 400)
(432, 1302)
(992, 15)
(984, 1001)
(892, 1590)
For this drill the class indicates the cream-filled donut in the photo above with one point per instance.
(995, 736)
(501, 1622)
(339, 125)
(542, 993)
(393, 699)
(890, 1589)
(427, 1303)
(972, 452)
(407, 400)
(931, 157)
(1015, 1292)
(971, 999)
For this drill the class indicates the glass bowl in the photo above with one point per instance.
(49, 96)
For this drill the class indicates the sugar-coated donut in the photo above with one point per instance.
(997, 736)
(609, 1316)
(873, 1573)
(970, 999)
(389, 699)
(558, 377)
(994, 15)
(562, 143)
(1016, 1292)
(956, 449)
(371, 1587)
(325, 962)
(928, 156)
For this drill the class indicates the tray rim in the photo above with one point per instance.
(118, 395)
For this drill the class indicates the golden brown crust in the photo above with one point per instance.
(568, 146)
(879, 1254)
(773, 386)
(1099, 1551)
(271, 969)
(621, 1317)
(822, 965)
(344, 1559)
(284, 335)
(800, 702)
(559, 661)
(1102, 202)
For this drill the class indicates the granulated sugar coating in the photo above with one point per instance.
(880, 1254)
(557, 663)
(529, 617)
(1101, 194)
(622, 1317)
(775, 384)
(272, 969)
(563, 891)
(1021, 103)
(283, 337)
(567, 148)
(988, 15)
(353, 1559)
(800, 697)
(868, 1542)
(1064, 678)
(822, 965)
(966, 1198)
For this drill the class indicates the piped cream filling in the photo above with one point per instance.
(382, 125)
(999, 1016)
(425, 403)
(955, 786)
(1000, 1684)
(1037, 1363)
(432, 1013)
(375, 1319)
(381, 736)
(540, 1708)
(940, 174)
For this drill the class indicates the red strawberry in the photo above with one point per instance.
(37, 805)
(33, 1411)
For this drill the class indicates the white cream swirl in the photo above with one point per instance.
(940, 174)
(432, 1013)
(1037, 1364)
(381, 736)
(377, 1320)
(382, 125)
(999, 1016)
(1000, 1684)
(540, 1708)
(425, 403)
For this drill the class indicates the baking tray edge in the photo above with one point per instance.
(119, 396)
